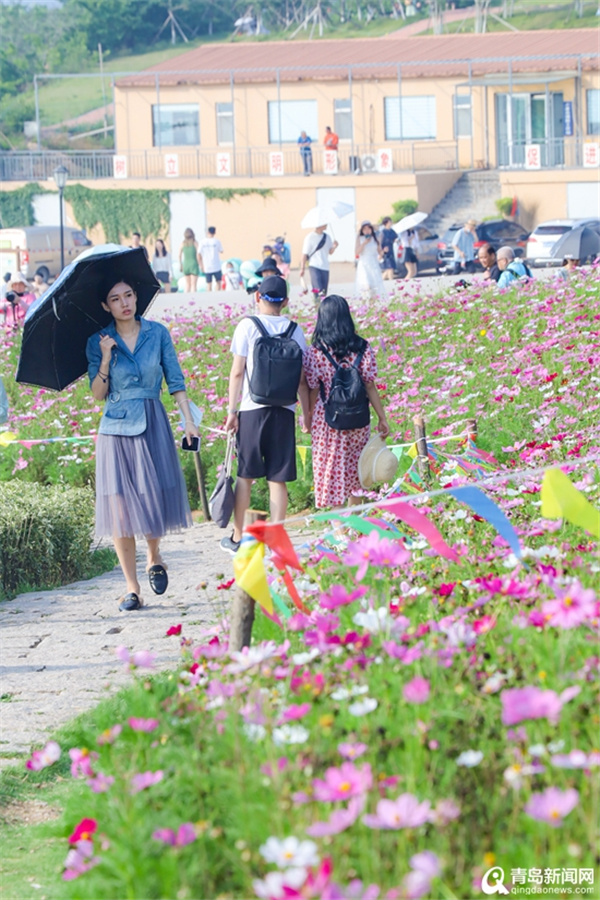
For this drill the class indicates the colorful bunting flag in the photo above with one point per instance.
(6, 438)
(562, 500)
(249, 571)
(488, 510)
(421, 523)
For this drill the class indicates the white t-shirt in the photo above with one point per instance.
(242, 344)
(319, 259)
(209, 250)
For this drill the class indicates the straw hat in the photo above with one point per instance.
(376, 463)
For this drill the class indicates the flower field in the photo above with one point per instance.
(431, 710)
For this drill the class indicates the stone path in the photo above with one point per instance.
(58, 647)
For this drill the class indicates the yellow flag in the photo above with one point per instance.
(412, 451)
(250, 575)
(303, 450)
(6, 438)
(562, 500)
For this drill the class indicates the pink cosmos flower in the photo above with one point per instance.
(483, 625)
(445, 811)
(377, 551)
(81, 762)
(173, 630)
(576, 759)
(416, 691)
(110, 735)
(343, 783)
(532, 702)
(339, 596)
(84, 831)
(280, 766)
(552, 805)
(185, 834)
(294, 712)
(355, 890)
(41, 759)
(277, 885)
(138, 724)
(571, 608)
(425, 867)
(101, 783)
(79, 859)
(339, 820)
(144, 780)
(142, 659)
(404, 812)
(352, 751)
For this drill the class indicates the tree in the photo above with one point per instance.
(481, 11)
(436, 11)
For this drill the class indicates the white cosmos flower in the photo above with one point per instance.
(373, 620)
(362, 707)
(290, 852)
(290, 734)
(469, 758)
(301, 659)
(251, 656)
(271, 888)
(254, 732)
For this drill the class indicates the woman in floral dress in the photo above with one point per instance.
(335, 453)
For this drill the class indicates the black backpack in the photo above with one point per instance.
(277, 367)
(347, 405)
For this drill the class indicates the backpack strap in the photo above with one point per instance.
(289, 330)
(259, 325)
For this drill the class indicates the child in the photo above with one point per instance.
(266, 434)
(233, 279)
(335, 452)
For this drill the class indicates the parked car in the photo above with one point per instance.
(38, 248)
(498, 232)
(543, 238)
(427, 254)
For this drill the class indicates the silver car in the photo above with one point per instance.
(543, 238)
(427, 255)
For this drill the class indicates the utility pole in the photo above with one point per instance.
(103, 89)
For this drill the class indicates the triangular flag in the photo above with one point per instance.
(249, 570)
(488, 510)
(398, 451)
(6, 438)
(303, 450)
(412, 451)
(281, 605)
(562, 500)
(277, 539)
(421, 523)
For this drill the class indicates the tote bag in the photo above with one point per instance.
(222, 498)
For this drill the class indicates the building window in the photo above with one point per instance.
(289, 117)
(413, 121)
(462, 115)
(342, 119)
(176, 125)
(593, 111)
(225, 123)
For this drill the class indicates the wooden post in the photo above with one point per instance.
(242, 607)
(472, 430)
(421, 442)
(201, 486)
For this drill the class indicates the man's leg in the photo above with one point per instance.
(278, 499)
(243, 487)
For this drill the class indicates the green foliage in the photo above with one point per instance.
(16, 207)
(120, 212)
(504, 205)
(228, 194)
(45, 535)
(403, 208)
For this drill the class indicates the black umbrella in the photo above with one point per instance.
(580, 243)
(59, 324)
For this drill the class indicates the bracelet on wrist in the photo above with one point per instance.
(232, 412)
(103, 376)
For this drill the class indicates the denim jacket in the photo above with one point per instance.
(134, 377)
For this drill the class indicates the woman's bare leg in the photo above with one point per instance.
(125, 549)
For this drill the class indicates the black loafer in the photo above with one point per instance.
(130, 602)
(158, 578)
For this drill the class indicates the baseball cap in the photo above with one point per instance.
(273, 288)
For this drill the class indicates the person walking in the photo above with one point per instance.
(188, 260)
(387, 238)
(304, 143)
(410, 242)
(161, 265)
(335, 452)
(369, 280)
(316, 250)
(136, 241)
(210, 258)
(266, 439)
(511, 270)
(486, 256)
(140, 489)
(464, 247)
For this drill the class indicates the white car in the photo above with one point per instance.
(543, 238)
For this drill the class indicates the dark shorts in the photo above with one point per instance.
(410, 255)
(266, 444)
(319, 279)
(210, 275)
(163, 277)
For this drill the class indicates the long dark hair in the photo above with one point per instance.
(156, 253)
(335, 329)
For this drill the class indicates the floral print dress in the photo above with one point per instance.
(335, 453)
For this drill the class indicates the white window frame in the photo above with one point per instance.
(592, 106)
(295, 116)
(418, 119)
(463, 118)
(224, 119)
(342, 112)
(159, 115)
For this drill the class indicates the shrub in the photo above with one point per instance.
(45, 535)
(504, 205)
(403, 208)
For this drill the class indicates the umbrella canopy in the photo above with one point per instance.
(579, 243)
(326, 214)
(59, 324)
(411, 221)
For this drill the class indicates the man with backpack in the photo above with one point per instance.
(511, 270)
(316, 251)
(268, 375)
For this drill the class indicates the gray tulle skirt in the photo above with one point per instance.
(140, 490)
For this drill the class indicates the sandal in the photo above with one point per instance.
(158, 578)
(130, 602)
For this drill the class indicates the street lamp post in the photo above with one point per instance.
(60, 176)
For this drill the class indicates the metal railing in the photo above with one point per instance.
(554, 153)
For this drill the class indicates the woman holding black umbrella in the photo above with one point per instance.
(140, 488)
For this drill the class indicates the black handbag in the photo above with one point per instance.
(222, 499)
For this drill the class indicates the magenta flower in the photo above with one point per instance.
(552, 805)
(185, 834)
(425, 867)
(532, 702)
(101, 783)
(80, 859)
(81, 762)
(343, 783)
(416, 691)
(143, 724)
(109, 735)
(377, 551)
(404, 812)
(41, 759)
(144, 780)
(294, 712)
(571, 607)
(337, 595)
(339, 820)
(352, 751)
(142, 659)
